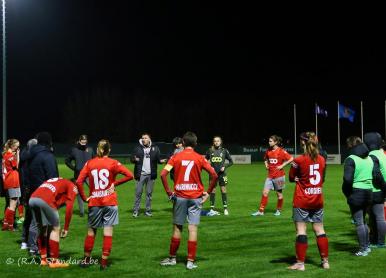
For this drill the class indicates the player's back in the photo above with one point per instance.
(187, 167)
(311, 172)
(101, 172)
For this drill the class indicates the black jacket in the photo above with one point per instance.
(154, 160)
(42, 166)
(361, 151)
(373, 141)
(80, 156)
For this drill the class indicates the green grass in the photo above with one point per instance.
(233, 246)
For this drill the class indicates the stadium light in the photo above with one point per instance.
(4, 77)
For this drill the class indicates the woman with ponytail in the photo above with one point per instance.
(10, 165)
(308, 172)
(102, 202)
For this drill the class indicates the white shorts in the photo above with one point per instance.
(275, 184)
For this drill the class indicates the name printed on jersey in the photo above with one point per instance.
(187, 186)
(49, 186)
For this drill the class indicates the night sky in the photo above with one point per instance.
(117, 68)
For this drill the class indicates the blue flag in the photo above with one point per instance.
(321, 111)
(346, 113)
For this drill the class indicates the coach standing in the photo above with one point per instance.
(81, 153)
(145, 158)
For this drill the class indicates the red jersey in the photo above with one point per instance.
(10, 173)
(187, 166)
(101, 172)
(57, 192)
(274, 159)
(308, 193)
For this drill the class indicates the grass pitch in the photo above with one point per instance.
(229, 246)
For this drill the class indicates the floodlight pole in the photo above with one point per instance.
(4, 77)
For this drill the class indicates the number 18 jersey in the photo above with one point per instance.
(187, 167)
(308, 193)
(101, 173)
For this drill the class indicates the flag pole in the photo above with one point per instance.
(295, 128)
(316, 119)
(362, 119)
(339, 130)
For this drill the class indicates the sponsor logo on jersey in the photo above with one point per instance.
(49, 186)
(216, 159)
(187, 186)
(313, 191)
(101, 194)
(273, 160)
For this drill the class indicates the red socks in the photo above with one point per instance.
(42, 244)
(301, 247)
(280, 204)
(263, 203)
(89, 244)
(9, 217)
(106, 249)
(192, 249)
(322, 242)
(174, 244)
(20, 208)
(54, 249)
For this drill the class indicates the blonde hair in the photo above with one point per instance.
(310, 144)
(8, 145)
(103, 148)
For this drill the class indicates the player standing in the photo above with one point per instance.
(217, 155)
(188, 196)
(275, 159)
(308, 172)
(44, 203)
(10, 175)
(102, 202)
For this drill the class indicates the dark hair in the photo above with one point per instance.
(44, 138)
(103, 148)
(189, 139)
(146, 133)
(383, 145)
(352, 141)
(310, 145)
(83, 137)
(176, 141)
(277, 139)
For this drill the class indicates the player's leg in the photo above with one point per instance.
(138, 194)
(194, 214)
(14, 194)
(212, 198)
(149, 193)
(279, 184)
(384, 209)
(264, 197)
(378, 212)
(223, 181)
(322, 242)
(107, 245)
(94, 221)
(179, 218)
(301, 245)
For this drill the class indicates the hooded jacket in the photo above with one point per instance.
(154, 160)
(80, 154)
(361, 151)
(42, 165)
(373, 141)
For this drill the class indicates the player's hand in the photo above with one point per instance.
(172, 197)
(163, 160)
(63, 233)
(279, 167)
(222, 169)
(205, 197)
(111, 190)
(296, 179)
(136, 158)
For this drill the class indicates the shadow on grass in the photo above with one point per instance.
(180, 259)
(342, 246)
(290, 259)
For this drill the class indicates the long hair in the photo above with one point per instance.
(310, 144)
(352, 141)
(103, 148)
(278, 140)
(8, 145)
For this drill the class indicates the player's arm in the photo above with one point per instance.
(289, 158)
(378, 179)
(207, 155)
(266, 160)
(134, 159)
(212, 175)
(294, 170)
(69, 159)
(164, 177)
(229, 158)
(127, 175)
(348, 176)
(79, 182)
(67, 221)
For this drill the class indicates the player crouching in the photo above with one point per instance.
(44, 204)
(188, 196)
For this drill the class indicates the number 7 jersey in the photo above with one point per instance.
(101, 173)
(187, 167)
(308, 193)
